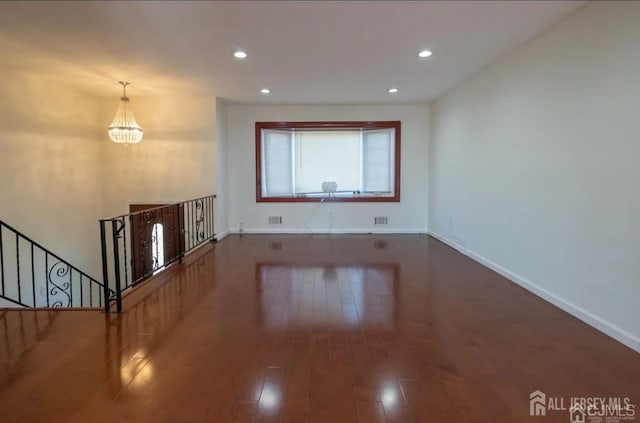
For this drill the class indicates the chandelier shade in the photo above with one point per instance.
(124, 129)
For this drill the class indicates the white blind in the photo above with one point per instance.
(277, 177)
(331, 156)
(377, 160)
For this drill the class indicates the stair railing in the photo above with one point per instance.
(34, 277)
(136, 246)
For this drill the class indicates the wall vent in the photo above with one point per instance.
(380, 245)
(275, 220)
(276, 245)
(380, 220)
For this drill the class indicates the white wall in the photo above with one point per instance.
(175, 160)
(534, 167)
(409, 215)
(50, 169)
(222, 201)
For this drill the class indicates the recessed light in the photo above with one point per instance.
(424, 54)
(393, 90)
(239, 54)
(265, 91)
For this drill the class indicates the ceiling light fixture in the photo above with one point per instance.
(124, 129)
(393, 90)
(424, 54)
(239, 54)
(265, 91)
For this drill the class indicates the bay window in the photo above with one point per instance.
(327, 161)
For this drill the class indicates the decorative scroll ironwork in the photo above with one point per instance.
(200, 219)
(60, 286)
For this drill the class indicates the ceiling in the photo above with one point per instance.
(305, 52)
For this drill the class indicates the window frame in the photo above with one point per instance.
(328, 126)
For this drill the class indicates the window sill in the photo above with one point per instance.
(339, 199)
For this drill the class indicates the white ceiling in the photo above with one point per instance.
(305, 52)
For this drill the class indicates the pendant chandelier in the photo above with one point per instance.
(124, 129)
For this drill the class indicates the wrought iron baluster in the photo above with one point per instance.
(154, 243)
(18, 267)
(196, 224)
(116, 255)
(192, 226)
(196, 211)
(202, 221)
(213, 217)
(199, 220)
(185, 227)
(33, 277)
(46, 277)
(105, 268)
(163, 227)
(196, 216)
(2, 260)
(187, 241)
(180, 231)
(206, 221)
(126, 262)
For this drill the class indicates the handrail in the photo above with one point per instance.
(52, 277)
(138, 245)
(156, 208)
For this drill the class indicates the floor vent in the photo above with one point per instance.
(275, 220)
(380, 220)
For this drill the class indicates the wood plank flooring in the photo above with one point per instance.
(362, 329)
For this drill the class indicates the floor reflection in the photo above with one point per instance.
(271, 396)
(390, 396)
(350, 294)
(20, 333)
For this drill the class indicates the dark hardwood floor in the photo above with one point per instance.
(310, 329)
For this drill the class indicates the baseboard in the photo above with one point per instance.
(333, 231)
(222, 235)
(592, 320)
